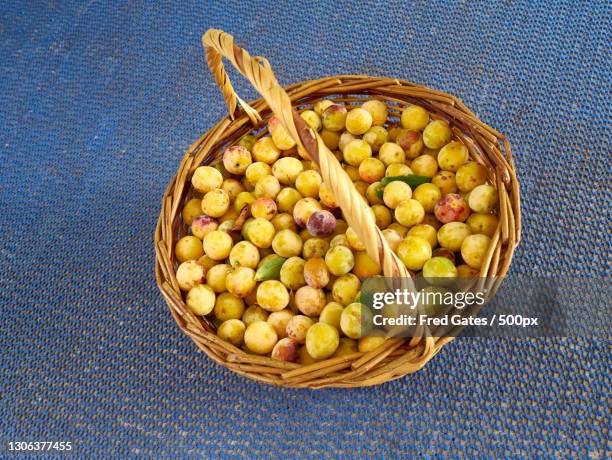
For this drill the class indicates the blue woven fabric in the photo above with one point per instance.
(99, 101)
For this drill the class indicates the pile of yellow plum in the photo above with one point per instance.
(270, 259)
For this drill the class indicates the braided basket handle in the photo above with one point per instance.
(218, 45)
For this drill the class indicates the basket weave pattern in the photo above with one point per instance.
(396, 357)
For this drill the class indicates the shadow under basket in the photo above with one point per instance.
(397, 356)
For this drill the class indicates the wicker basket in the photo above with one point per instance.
(396, 357)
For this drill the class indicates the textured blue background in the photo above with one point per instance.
(99, 101)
